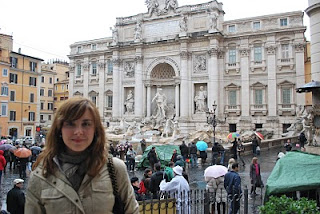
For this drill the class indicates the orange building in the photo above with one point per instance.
(24, 87)
(307, 72)
(5, 49)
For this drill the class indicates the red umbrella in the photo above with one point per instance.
(259, 135)
(22, 153)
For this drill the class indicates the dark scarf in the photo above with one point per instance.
(74, 167)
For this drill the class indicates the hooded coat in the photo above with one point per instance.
(216, 187)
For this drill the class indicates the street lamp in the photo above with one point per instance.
(211, 119)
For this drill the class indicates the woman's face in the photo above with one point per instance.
(77, 135)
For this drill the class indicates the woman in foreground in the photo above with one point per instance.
(71, 175)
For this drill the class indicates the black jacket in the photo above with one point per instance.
(15, 201)
(193, 149)
(152, 157)
(155, 181)
(184, 150)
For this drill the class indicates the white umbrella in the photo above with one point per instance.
(215, 171)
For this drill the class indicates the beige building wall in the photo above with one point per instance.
(5, 48)
(46, 95)
(24, 84)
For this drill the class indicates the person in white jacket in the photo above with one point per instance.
(178, 187)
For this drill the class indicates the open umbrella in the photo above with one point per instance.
(201, 145)
(215, 171)
(22, 153)
(233, 135)
(5, 147)
(259, 135)
(36, 148)
(2, 142)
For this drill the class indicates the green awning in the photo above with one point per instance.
(296, 171)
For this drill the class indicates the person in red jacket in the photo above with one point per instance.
(2, 163)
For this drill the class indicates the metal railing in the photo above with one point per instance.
(196, 201)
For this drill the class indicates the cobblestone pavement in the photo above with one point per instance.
(267, 160)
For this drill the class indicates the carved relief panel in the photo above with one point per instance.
(200, 63)
(129, 69)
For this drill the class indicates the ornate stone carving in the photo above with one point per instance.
(221, 54)
(200, 100)
(129, 103)
(200, 64)
(183, 24)
(184, 54)
(138, 59)
(299, 47)
(138, 32)
(101, 65)
(213, 22)
(115, 35)
(85, 66)
(129, 69)
(116, 61)
(71, 67)
(271, 49)
(164, 59)
(244, 52)
(152, 6)
(213, 52)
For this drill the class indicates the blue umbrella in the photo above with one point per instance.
(201, 145)
(6, 147)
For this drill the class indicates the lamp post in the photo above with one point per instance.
(211, 119)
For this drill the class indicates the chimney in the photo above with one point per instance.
(19, 50)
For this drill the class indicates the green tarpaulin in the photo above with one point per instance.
(296, 171)
(164, 153)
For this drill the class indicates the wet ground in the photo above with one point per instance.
(267, 160)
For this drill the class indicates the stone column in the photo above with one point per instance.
(116, 108)
(272, 83)
(184, 113)
(300, 76)
(86, 68)
(71, 79)
(177, 99)
(101, 66)
(213, 84)
(245, 87)
(138, 92)
(313, 12)
(148, 100)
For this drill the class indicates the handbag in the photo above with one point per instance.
(118, 206)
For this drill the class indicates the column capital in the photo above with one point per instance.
(213, 51)
(271, 49)
(101, 65)
(244, 52)
(138, 59)
(299, 46)
(71, 67)
(185, 54)
(116, 61)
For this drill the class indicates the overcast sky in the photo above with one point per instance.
(45, 29)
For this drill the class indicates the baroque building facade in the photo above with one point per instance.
(176, 62)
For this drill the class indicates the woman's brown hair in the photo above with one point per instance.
(71, 110)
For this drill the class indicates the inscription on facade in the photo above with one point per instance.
(162, 29)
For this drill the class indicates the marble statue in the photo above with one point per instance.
(171, 4)
(167, 128)
(200, 100)
(130, 103)
(161, 101)
(138, 31)
(129, 69)
(213, 22)
(114, 35)
(183, 24)
(152, 6)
